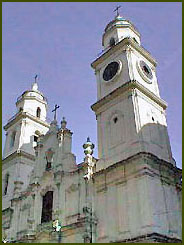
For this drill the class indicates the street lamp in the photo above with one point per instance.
(57, 226)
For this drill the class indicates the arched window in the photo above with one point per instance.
(38, 112)
(135, 39)
(47, 207)
(112, 41)
(20, 109)
(12, 139)
(6, 183)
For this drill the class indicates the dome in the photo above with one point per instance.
(118, 29)
(34, 92)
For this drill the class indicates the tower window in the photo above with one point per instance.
(112, 41)
(12, 140)
(146, 70)
(20, 109)
(6, 183)
(35, 138)
(38, 112)
(115, 120)
(135, 39)
(47, 207)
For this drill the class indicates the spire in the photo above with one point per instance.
(35, 84)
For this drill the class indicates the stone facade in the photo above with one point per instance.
(131, 193)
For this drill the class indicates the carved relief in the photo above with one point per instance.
(73, 187)
(46, 189)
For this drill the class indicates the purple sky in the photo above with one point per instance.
(58, 41)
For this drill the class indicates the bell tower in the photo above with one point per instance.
(22, 131)
(137, 181)
(130, 113)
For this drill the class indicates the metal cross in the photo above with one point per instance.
(117, 9)
(56, 107)
(36, 78)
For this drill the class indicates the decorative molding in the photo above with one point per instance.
(73, 187)
(152, 237)
(18, 153)
(118, 46)
(46, 189)
(132, 84)
(22, 115)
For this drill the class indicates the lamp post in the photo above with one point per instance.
(57, 226)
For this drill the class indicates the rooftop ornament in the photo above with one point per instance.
(55, 109)
(89, 159)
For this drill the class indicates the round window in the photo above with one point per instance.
(146, 69)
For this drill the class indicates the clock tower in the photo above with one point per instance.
(137, 181)
(130, 113)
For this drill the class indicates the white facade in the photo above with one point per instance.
(131, 193)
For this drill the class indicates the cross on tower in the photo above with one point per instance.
(55, 109)
(36, 78)
(117, 9)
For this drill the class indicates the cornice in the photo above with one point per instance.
(145, 155)
(132, 84)
(120, 45)
(31, 98)
(21, 115)
(18, 153)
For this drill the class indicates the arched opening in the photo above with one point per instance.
(38, 112)
(115, 120)
(20, 109)
(6, 183)
(112, 41)
(12, 140)
(47, 205)
(135, 39)
(35, 138)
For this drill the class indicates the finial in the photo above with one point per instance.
(88, 147)
(89, 159)
(63, 123)
(55, 109)
(35, 84)
(117, 9)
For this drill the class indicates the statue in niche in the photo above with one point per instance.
(49, 158)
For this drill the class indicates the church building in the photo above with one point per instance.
(130, 193)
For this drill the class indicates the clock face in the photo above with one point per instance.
(146, 69)
(110, 70)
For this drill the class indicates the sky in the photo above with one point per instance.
(59, 40)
